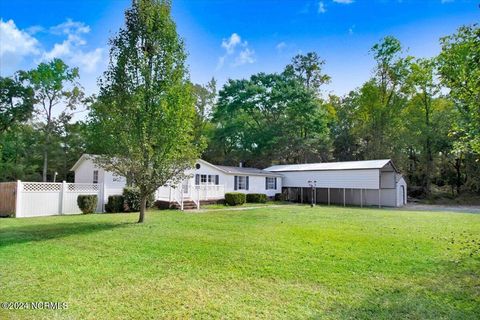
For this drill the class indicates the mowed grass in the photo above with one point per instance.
(272, 263)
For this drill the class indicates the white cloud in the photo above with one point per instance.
(71, 49)
(351, 30)
(280, 46)
(15, 45)
(343, 1)
(230, 43)
(246, 55)
(321, 7)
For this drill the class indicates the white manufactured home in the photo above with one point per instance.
(206, 182)
(372, 182)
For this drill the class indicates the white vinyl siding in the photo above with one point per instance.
(364, 179)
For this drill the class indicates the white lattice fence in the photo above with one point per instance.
(47, 198)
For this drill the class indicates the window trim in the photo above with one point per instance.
(95, 176)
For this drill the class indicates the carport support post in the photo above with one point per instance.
(379, 198)
(301, 195)
(328, 196)
(344, 197)
(361, 198)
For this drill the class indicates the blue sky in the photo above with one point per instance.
(234, 39)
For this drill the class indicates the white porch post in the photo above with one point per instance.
(104, 193)
(18, 199)
(344, 197)
(328, 196)
(170, 194)
(198, 197)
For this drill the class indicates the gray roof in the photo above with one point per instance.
(343, 165)
(243, 170)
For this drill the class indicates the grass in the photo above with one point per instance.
(245, 205)
(273, 262)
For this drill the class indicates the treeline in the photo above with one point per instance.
(422, 113)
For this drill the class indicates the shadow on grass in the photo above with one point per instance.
(42, 232)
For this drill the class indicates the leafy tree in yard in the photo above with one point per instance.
(270, 116)
(16, 102)
(56, 91)
(145, 111)
(204, 105)
(308, 69)
(425, 88)
(459, 66)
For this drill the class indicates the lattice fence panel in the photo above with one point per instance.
(80, 187)
(41, 187)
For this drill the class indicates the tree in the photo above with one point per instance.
(425, 88)
(16, 102)
(270, 117)
(204, 104)
(459, 66)
(55, 87)
(145, 111)
(308, 69)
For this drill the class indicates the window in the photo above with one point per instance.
(197, 166)
(241, 182)
(95, 176)
(270, 183)
(210, 179)
(203, 179)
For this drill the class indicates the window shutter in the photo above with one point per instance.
(216, 179)
(275, 183)
(247, 183)
(197, 179)
(235, 183)
(266, 183)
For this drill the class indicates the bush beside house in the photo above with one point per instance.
(235, 198)
(115, 203)
(87, 203)
(256, 198)
(131, 196)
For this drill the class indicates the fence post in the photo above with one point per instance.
(18, 199)
(63, 195)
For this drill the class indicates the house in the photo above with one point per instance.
(206, 182)
(371, 182)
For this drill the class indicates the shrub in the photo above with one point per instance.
(131, 196)
(234, 198)
(162, 205)
(280, 197)
(87, 203)
(256, 198)
(115, 204)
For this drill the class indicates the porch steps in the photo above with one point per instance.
(187, 205)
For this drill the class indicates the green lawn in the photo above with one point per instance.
(273, 262)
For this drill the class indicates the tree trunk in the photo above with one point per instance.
(45, 164)
(143, 206)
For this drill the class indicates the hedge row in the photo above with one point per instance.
(256, 198)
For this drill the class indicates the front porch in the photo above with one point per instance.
(188, 196)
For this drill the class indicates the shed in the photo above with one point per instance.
(371, 182)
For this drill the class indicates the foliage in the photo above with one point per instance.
(256, 198)
(116, 203)
(132, 199)
(280, 197)
(16, 102)
(87, 203)
(235, 198)
(269, 116)
(145, 111)
(459, 66)
(54, 85)
(268, 263)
